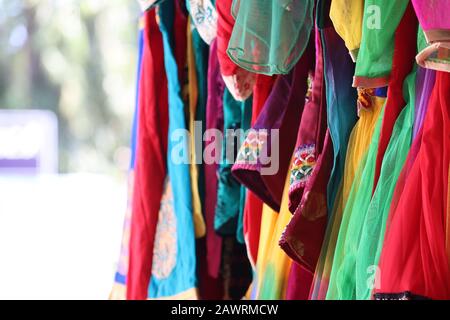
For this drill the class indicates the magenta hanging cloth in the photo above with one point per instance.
(310, 173)
(434, 18)
(214, 120)
(282, 111)
(312, 131)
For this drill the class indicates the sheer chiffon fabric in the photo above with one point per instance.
(269, 37)
(414, 257)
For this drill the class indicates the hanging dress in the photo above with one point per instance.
(372, 234)
(150, 163)
(414, 261)
(358, 145)
(343, 279)
(270, 37)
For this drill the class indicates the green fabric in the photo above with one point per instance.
(372, 234)
(270, 36)
(381, 19)
(342, 280)
(228, 218)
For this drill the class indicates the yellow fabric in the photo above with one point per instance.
(273, 264)
(347, 17)
(199, 222)
(358, 146)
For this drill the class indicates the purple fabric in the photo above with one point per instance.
(424, 85)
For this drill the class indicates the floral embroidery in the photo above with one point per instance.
(303, 165)
(251, 150)
(165, 246)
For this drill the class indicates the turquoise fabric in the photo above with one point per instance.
(228, 219)
(183, 275)
(341, 104)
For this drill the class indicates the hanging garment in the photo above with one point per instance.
(214, 121)
(150, 165)
(239, 82)
(311, 131)
(357, 149)
(402, 64)
(347, 17)
(341, 284)
(374, 63)
(299, 283)
(433, 17)
(120, 280)
(253, 205)
(275, 264)
(341, 101)
(414, 260)
(174, 262)
(344, 281)
(372, 233)
(197, 105)
(256, 166)
(231, 194)
(373, 225)
(270, 37)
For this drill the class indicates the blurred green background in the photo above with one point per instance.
(78, 59)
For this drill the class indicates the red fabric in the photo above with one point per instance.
(225, 23)
(209, 288)
(404, 58)
(414, 255)
(151, 160)
(299, 283)
(254, 205)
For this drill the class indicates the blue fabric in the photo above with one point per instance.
(341, 104)
(136, 108)
(183, 275)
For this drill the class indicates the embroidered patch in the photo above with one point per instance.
(303, 165)
(165, 246)
(251, 150)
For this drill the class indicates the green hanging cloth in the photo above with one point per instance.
(270, 36)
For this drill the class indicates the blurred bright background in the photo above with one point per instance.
(67, 81)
